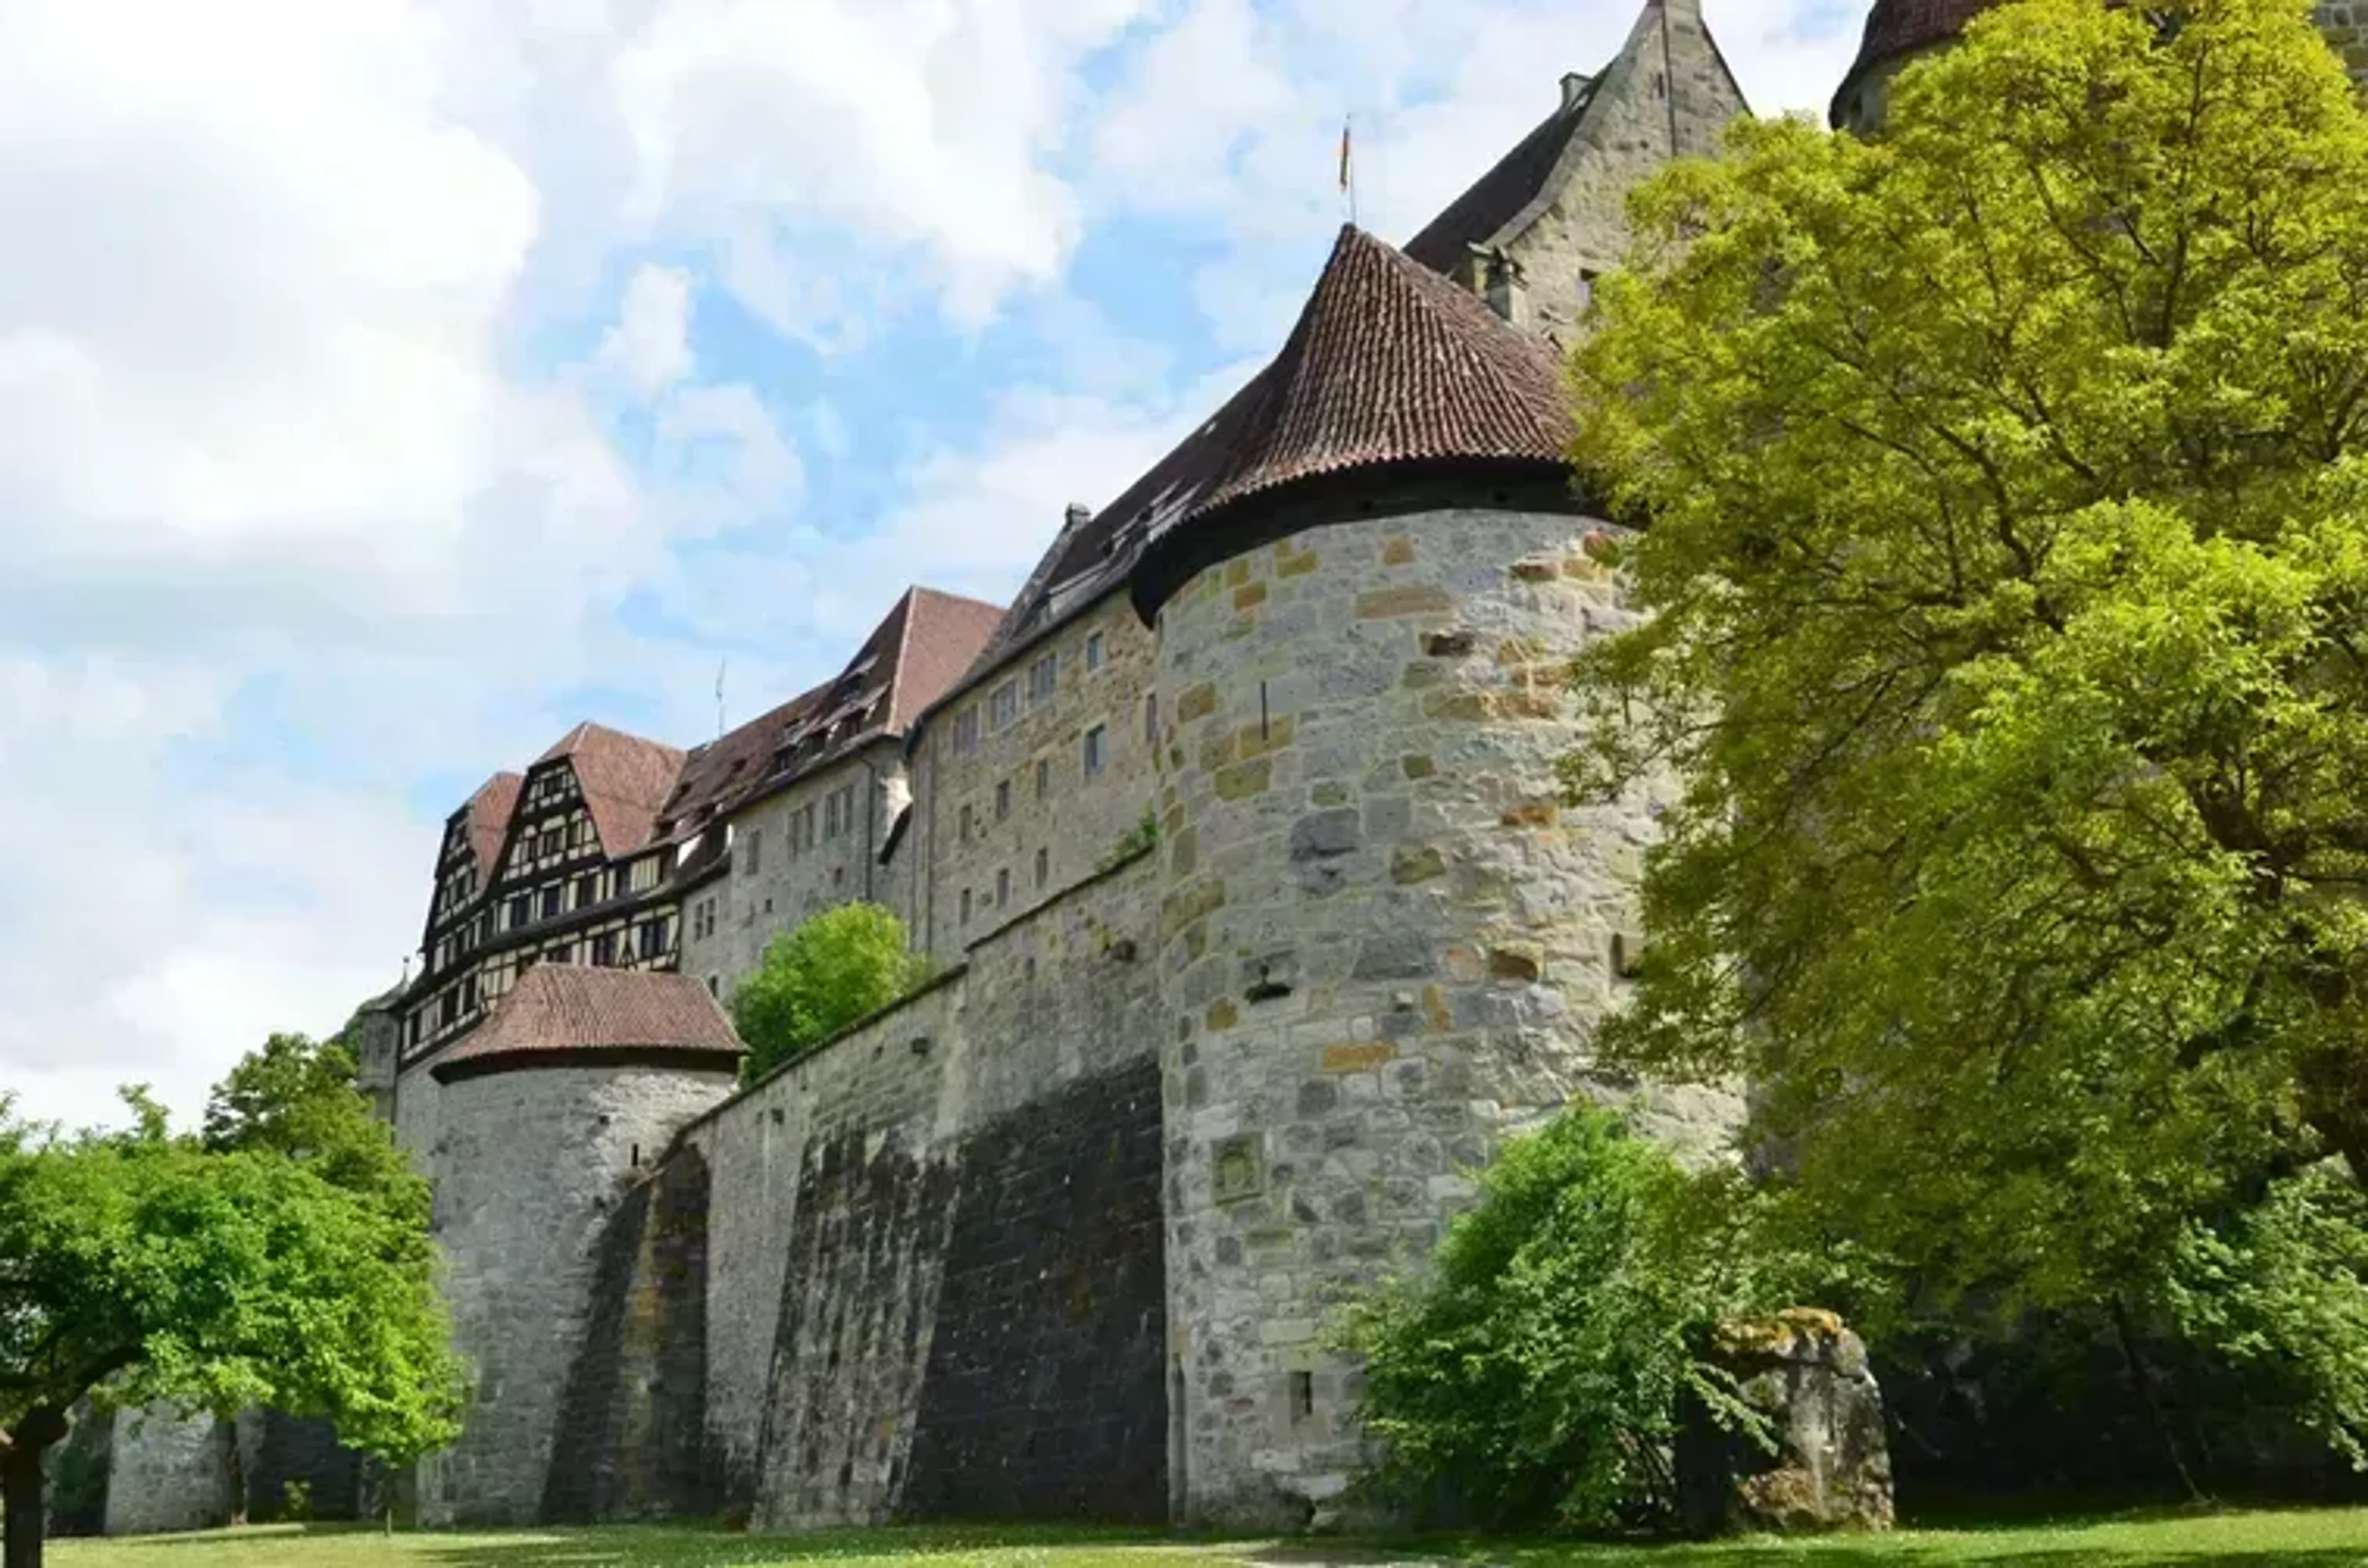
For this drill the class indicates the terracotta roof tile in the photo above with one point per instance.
(1390, 363)
(624, 780)
(1898, 27)
(489, 819)
(917, 650)
(559, 1010)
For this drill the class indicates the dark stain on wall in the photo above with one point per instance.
(631, 1436)
(855, 1304)
(1044, 1395)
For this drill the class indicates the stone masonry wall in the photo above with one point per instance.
(1075, 823)
(1385, 946)
(1667, 94)
(969, 1181)
(529, 1165)
(167, 1473)
(771, 888)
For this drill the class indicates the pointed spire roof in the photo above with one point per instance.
(1391, 363)
(1898, 29)
(1390, 366)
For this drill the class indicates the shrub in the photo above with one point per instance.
(1534, 1380)
(834, 970)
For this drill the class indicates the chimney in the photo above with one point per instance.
(1573, 88)
(1505, 290)
(1078, 514)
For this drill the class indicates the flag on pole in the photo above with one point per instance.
(1344, 155)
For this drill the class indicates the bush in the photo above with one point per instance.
(836, 968)
(1535, 1381)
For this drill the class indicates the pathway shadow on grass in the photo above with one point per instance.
(1867, 1552)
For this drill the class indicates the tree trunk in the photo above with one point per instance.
(22, 1457)
(2143, 1376)
(235, 1469)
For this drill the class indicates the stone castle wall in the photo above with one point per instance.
(1385, 944)
(924, 1263)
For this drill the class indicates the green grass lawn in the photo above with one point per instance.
(2307, 1539)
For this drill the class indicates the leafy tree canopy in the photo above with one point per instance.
(843, 965)
(282, 1260)
(2007, 564)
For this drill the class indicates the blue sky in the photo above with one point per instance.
(386, 385)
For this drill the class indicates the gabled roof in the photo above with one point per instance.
(624, 780)
(919, 650)
(1503, 203)
(562, 1014)
(489, 812)
(1896, 29)
(1508, 188)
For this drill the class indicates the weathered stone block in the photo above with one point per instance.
(1413, 863)
(1357, 1058)
(1415, 599)
(1198, 702)
(1807, 1375)
(1398, 550)
(1243, 780)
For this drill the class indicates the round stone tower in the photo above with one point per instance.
(548, 1111)
(1385, 941)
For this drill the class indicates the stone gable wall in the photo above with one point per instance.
(1672, 90)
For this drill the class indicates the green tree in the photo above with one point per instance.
(213, 1279)
(843, 965)
(2007, 565)
(1532, 1378)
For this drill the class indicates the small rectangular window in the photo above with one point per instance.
(966, 731)
(756, 850)
(1302, 1396)
(1043, 679)
(1003, 707)
(1043, 776)
(1002, 888)
(1151, 719)
(1002, 798)
(966, 906)
(1043, 867)
(1096, 751)
(963, 835)
(604, 949)
(550, 903)
(1093, 650)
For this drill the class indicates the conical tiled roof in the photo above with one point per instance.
(1391, 363)
(562, 1014)
(1896, 29)
(1390, 366)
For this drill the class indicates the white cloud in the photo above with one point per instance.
(650, 344)
(290, 523)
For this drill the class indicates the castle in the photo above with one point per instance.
(1257, 916)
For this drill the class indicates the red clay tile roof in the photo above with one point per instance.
(557, 1012)
(489, 820)
(1899, 28)
(911, 657)
(1389, 364)
(624, 780)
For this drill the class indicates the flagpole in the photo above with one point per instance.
(1347, 168)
